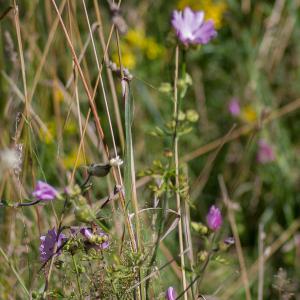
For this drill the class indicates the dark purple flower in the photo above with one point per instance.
(191, 29)
(48, 242)
(171, 293)
(214, 218)
(44, 192)
(234, 107)
(265, 152)
(97, 240)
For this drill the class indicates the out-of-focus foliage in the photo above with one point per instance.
(254, 59)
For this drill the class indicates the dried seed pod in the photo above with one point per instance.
(117, 18)
(120, 23)
(99, 170)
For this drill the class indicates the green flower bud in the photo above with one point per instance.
(192, 116)
(84, 214)
(165, 88)
(202, 256)
(181, 116)
(199, 227)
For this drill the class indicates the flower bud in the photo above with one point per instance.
(202, 255)
(214, 218)
(199, 227)
(171, 294)
(83, 214)
(99, 170)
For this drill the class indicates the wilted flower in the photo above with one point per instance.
(124, 86)
(191, 29)
(99, 170)
(234, 107)
(48, 243)
(229, 241)
(171, 293)
(44, 191)
(97, 240)
(214, 218)
(116, 161)
(265, 152)
(12, 159)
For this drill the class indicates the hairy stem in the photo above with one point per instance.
(176, 161)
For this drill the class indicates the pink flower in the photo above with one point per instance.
(214, 218)
(234, 107)
(44, 192)
(191, 29)
(265, 152)
(171, 293)
(47, 244)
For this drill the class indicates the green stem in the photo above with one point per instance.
(130, 185)
(176, 161)
(77, 276)
(202, 271)
(15, 272)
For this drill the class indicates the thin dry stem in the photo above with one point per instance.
(261, 238)
(234, 229)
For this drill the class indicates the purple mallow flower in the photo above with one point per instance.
(48, 242)
(97, 240)
(190, 27)
(44, 192)
(234, 107)
(265, 152)
(214, 218)
(171, 293)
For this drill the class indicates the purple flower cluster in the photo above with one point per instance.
(44, 191)
(190, 27)
(214, 218)
(48, 243)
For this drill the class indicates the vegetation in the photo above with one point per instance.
(149, 149)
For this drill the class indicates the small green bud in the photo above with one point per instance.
(202, 256)
(199, 227)
(192, 116)
(165, 88)
(81, 269)
(181, 116)
(83, 214)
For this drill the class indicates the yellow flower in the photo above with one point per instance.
(47, 136)
(70, 160)
(70, 127)
(57, 94)
(153, 50)
(136, 38)
(128, 58)
(214, 10)
(249, 115)
(193, 4)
